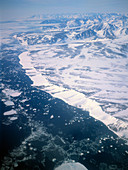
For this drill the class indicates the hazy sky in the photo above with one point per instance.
(21, 8)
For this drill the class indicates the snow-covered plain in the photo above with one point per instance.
(84, 65)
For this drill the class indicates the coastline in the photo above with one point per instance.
(73, 98)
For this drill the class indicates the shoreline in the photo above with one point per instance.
(72, 97)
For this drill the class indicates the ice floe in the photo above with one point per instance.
(10, 112)
(11, 92)
(13, 118)
(71, 166)
(9, 103)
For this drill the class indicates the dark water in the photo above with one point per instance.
(48, 131)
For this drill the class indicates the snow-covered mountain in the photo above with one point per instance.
(61, 29)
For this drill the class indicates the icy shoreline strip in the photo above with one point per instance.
(73, 97)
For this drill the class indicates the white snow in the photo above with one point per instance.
(122, 114)
(37, 78)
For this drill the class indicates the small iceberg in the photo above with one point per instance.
(71, 166)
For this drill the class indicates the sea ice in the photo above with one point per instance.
(9, 103)
(10, 112)
(71, 166)
(11, 92)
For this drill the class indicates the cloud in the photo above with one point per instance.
(32, 7)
